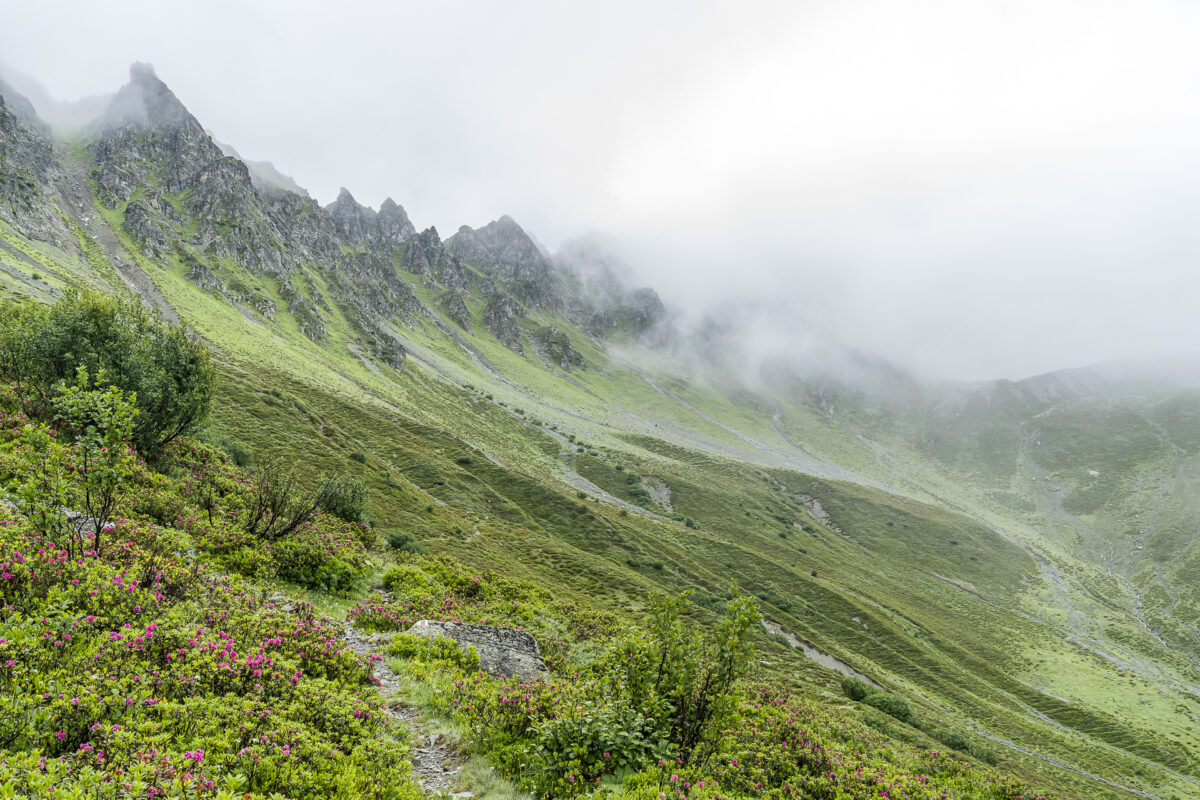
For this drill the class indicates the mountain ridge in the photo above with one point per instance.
(864, 515)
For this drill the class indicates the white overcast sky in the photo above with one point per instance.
(975, 189)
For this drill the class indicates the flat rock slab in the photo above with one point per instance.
(502, 651)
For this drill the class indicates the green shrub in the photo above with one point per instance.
(404, 542)
(855, 688)
(892, 705)
(101, 423)
(953, 739)
(409, 581)
(345, 497)
(169, 371)
(238, 452)
(359, 456)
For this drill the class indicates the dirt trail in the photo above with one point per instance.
(435, 762)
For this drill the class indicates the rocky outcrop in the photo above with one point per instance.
(354, 222)
(500, 318)
(554, 345)
(504, 252)
(456, 308)
(393, 226)
(27, 168)
(425, 255)
(640, 310)
(602, 300)
(502, 651)
(382, 232)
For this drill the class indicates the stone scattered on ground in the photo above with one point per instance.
(435, 761)
(502, 651)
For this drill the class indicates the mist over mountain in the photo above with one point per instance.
(969, 193)
(726, 397)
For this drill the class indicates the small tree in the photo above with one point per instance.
(101, 421)
(279, 504)
(44, 492)
(345, 497)
(169, 371)
(685, 682)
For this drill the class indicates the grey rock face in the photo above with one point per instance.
(383, 231)
(502, 651)
(555, 346)
(456, 308)
(640, 310)
(426, 255)
(503, 251)
(602, 299)
(353, 221)
(394, 226)
(500, 318)
(27, 167)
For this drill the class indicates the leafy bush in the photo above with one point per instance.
(238, 452)
(893, 706)
(855, 688)
(101, 424)
(408, 581)
(404, 542)
(279, 503)
(345, 497)
(170, 372)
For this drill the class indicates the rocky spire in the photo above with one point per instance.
(505, 252)
(145, 102)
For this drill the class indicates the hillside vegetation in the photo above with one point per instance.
(800, 587)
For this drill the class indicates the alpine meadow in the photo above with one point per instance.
(304, 500)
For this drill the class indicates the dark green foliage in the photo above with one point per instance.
(465, 461)
(345, 497)
(404, 542)
(359, 456)
(238, 452)
(854, 688)
(168, 371)
(893, 706)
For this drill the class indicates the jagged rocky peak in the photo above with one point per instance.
(503, 250)
(22, 109)
(148, 138)
(394, 224)
(145, 102)
(27, 167)
(384, 230)
(67, 118)
(354, 221)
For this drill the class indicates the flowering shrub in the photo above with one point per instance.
(137, 670)
(131, 660)
(655, 713)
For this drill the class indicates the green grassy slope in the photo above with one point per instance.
(969, 561)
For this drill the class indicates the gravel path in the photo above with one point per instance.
(435, 761)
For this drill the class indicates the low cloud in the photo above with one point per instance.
(972, 190)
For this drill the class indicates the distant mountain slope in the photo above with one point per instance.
(1016, 558)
